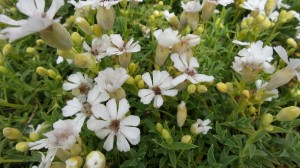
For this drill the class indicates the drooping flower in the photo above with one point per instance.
(269, 93)
(201, 127)
(114, 122)
(99, 46)
(80, 84)
(188, 69)
(85, 109)
(251, 61)
(161, 85)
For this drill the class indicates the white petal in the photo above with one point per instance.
(95, 125)
(9, 21)
(86, 46)
(109, 142)
(69, 86)
(147, 79)
(102, 133)
(282, 53)
(177, 62)
(122, 144)
(193, 63)
(111, 106)
(203, 78)
(73, 106)
(123, 108)
(56, 4)
(158, 101)
(40, 5)
(179, 79)
(131, 121)
(130, 132)
(116, 39)
(156, 77)
(172, 92)
(100, 111)
(148, 98)
(27, 7)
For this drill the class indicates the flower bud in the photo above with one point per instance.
(7, 49)
(57, 36)
(187, 139)
(74, 162)
(292, 42)
(39, 42)
(118, 94)
(280, 78)
(95, 159)
(141, 84)
(246, 94)
(191, 88)
(130, 80)
(208, 9)
(22, 147)
(12, 133)
(159, 127)
(124, 59)
(181, 114)
(160, 3)
(265, 24)
(193, 20)
(58, 165)
(31, 50)
(222, 87)
(76, 38)
(156, 13)
(259, 19)
(288, 113)
(42, 71)
(67, 54)
(3, 70)
(52, 74)
(84, 60)
(252, 110)
(123, 3)
(75, 149)
(13, 10)
(137, 78)
(83, 25)
(267, 119)
(161, 55)
(97, 30)
(34, 136)
(165, 134)
(201, 88)
(132, 67)
(269, 128)
(152, 18)
(106, 17)
(269, 6)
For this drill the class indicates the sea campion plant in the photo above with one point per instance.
(149, 83)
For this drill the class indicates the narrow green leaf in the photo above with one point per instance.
(210, 155)
(228, 159)
(172, 157)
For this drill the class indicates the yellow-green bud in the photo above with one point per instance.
(160, 3)
(201, 88)
(246, 94)
(130, 80)
(7, 49)
(165, 134)
(118, 94)
(13, 10)
(84, 25)
(3, 70)
(34, 136)
(191, 88)
(97, 30)
(181, 114)
(159, 127)
(76, 149)
(74, 162)
(123, 3)
(39, 42)
(76, 38)
(244, 24)
(250, 20)
(187, 139)
(291, 42)
(222, 87)
(269, 6)
(200, 29)
(252, 110)
(137, 78)
(42, 71)
(288, 113)
(12, 133)
(269, 128)
(132, 67)
(267, 119)
(152, 18)
(156, 13)
(84, 60)
(95, 159)
(141, 84)
(266, 24)
(52, 74)
(31, 50)
(68, 54)
(282, 16)
(290, 15)
(259, 18)
(22, 147)
(58, 165)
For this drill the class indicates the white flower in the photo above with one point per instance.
(38, 19)
(293, 64)
(46, 160)
(64, 136)
(99, 46)
(255, 5)
(166, 38)
(280, 4)
(188, 70)
(201, 127)
(121, 47)
(271, 94)
(168, 15)
(255, 58)
(298, 32)
(191, 40)
(85, 109)
(241, 43)
(111, 80)
(94, 3)
(81, 4)
(222, 2)
(115, 123)
(162, 85)
(80, 84)
(191, 6)
(95, 159)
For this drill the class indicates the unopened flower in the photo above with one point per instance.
(172, 19)
(161, 85)
(74, 162)
(201, 127)
(269, 93)
(99, 46)
(251, 61)
(209, 6)
(80, 84)
(87, 108)
(114, 122)
(188, 69)
(95, 159)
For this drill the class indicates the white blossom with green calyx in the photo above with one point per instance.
(255, 5)
(188, 69)
(114, 122)
(166, 38)
(38, 19)
(191, 6)
(80, 84)
(161, 85)
(99, 46)
(95, 159)
(272, 94)
(120, 47)
(85, 109)
(201, 127)
(110, 79)
(222, 2)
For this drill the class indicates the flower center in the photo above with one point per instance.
(87, 109)
(84, 89)
(114, 125)
(94, 52)
(156, 90)
(190, 72)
